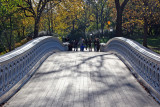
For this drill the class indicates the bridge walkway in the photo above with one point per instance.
(82, 79)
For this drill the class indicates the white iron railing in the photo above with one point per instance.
(18, 66)
(142, 60)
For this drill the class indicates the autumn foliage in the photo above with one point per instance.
(23, 19)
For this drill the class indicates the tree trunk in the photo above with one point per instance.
(119, 9)
(51, 18)
(97, 19)
(49, 27)
(102, 27)
(36, 28)
(84, 30)
(49, 21)
(23, 28)
(102, 19)
(119, 23)
(97, 24)
(73, 25)
(145, 32)
(52, 23)
(10, 36)
(19, 35)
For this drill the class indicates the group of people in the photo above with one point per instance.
(85, 44)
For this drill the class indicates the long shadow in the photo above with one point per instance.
(74, 68)
(98, 76)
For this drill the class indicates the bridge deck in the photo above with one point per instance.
(82, 79)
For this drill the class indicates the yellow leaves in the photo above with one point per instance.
(92, 17)
(129, 24)
(67, 12)
(28, 21)
(137, 9)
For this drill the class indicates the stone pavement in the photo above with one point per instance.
(82, 79)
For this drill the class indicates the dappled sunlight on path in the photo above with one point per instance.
(82, 79)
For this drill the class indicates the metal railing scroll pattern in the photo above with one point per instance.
(145, 62)
(16, 64)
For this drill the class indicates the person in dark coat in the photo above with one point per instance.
(70, 45)
(86, 43)
(73, 45)
(95, 44)
(98, 45)
(76, 45)
(90, 44)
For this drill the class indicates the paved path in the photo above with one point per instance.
(82, 79)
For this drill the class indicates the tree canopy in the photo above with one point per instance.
(21, 20)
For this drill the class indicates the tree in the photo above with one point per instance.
(66, 17)
(34, 8)
(143, 14)
(100, 10)
(119, 8)
(104, 13)
(7, 15)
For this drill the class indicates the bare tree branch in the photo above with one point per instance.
(123, 4)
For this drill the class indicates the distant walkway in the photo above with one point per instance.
(82, 79)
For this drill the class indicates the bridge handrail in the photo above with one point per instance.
(145, 62)
(18, 65)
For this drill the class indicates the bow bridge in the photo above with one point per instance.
(42, 73)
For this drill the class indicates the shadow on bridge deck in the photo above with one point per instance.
(82, 79)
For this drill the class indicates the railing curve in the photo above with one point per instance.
(17, 67)
(144, 62)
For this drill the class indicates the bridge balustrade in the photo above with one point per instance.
(143, 62)
(17, 67)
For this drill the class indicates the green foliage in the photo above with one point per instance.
(13, 29)
(153, 43)
(76, 18)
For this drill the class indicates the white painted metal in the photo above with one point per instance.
(16, 65)
(144, 61)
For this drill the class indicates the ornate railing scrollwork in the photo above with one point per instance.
(17, 66)
(143, 61)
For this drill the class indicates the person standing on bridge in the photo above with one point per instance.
(76, 45)
(82, 47)
(90, 44)
(70, 45)
(98, 44)
(86, 43)
(81, 42)
(95, 44)
(73, 45)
